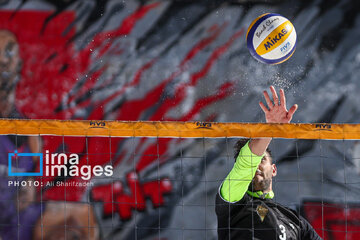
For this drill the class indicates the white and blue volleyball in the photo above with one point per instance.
(271, 38)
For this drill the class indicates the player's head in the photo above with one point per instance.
(67, 220)
(10, 67)
(10, 62)
(262, 180)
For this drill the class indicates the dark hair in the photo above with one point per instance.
(240, 144)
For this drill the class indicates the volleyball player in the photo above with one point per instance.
(244, 204)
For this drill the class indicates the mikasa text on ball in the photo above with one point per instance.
(271, 38)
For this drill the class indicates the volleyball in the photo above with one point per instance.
(271, 38)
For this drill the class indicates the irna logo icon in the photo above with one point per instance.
(17, 155)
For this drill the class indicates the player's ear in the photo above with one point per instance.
(274, 170)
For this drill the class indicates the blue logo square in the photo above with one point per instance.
(40, 155)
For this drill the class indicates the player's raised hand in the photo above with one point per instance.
(276, 111)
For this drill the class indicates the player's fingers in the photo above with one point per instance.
(268, 101)
(275, 96)
(292, 111)
(263, 107)
(282, 98)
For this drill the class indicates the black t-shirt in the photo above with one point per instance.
(257, 218)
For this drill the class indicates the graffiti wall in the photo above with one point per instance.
(171, 61)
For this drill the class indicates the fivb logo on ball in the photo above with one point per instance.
(59, 165)
(271, 38)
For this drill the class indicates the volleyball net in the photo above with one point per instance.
(158, 180)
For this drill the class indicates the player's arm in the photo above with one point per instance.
(237, 182)
(35, 146)
(307, 231)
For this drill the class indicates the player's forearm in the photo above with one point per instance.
(258, 146)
